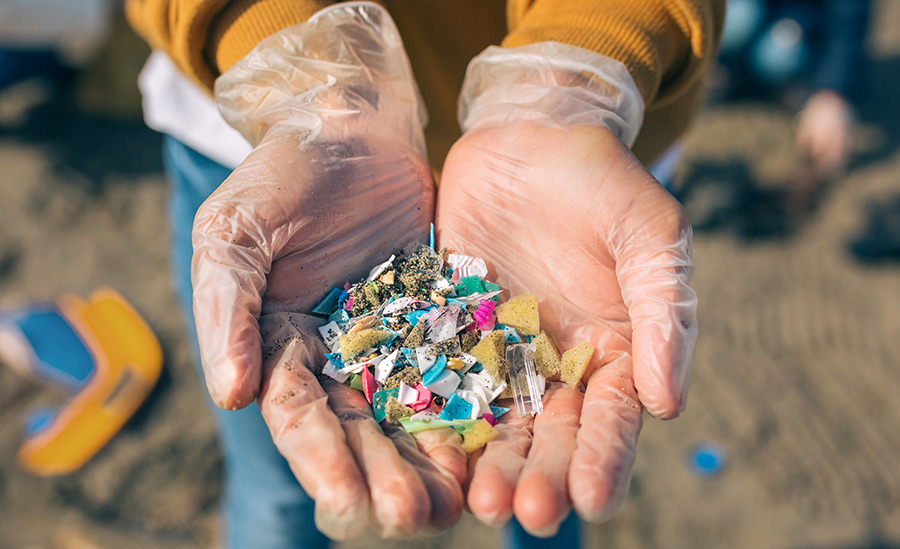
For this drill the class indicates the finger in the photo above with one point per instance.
(654, 274)
(400, 502)
(310, 437)
(228, 273)
(444, 447)
(541, 500)
(600, 471)
(444, 488)
(493, 473)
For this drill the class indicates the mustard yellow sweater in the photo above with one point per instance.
(666, 44)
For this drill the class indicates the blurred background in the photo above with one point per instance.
(792, 433)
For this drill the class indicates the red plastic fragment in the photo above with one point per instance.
(369, 385)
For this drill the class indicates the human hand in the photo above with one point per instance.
(567, 213)
(337, 181)
(824, 128)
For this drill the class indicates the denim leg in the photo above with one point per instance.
(264, 505)
(568, 537)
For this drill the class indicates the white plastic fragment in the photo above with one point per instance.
(386, 366)
(445, 384)
(467, 265)
(439, 284)
(378, 269)
(425, 358)
(331, 334)
(403, 303)
(474, 299)
(443, 323)
(407, 395)
(353, 368)
(332, 371)
(484, 379)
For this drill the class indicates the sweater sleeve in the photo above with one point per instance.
(205, 37)
(664, 43)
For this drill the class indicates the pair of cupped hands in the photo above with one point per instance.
(337, 182)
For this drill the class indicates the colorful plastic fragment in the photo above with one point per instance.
(456, 408)
(484, 315)
(444, 384)
(425, 344)
(368, 383)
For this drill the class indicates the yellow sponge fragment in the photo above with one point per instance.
(352, 345)
(491, 353)
(394, 410)
(477, 436)
(574, 362)
(546, 356)
(520, 312)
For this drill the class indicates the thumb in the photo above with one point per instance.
(654, 271)
(228, 273)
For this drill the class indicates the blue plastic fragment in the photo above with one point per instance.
(432, 374)
(431, 238)
(456, 408)
(510, 335)
(476, 368)
(340, 316)
(413, 317)
(335, 358)
(498, 411)
(707, 460)
(327, 305)
(410, 356)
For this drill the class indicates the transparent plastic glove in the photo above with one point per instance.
(559, 207)
(337, 181)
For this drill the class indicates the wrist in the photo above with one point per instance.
(551, 84)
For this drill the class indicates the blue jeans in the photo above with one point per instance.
(265, 507)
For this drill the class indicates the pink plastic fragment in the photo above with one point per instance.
(489, 418)
(368, 383)
(454, 277)
(347, 286)
(424, 399)
(484, 315)
(349, 304)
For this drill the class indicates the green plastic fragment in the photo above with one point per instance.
(469, 285)
(379, 400)
(416, 425)
(356, 382)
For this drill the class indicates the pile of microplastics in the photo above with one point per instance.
(429, 346)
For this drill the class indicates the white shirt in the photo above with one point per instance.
(176, 106)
